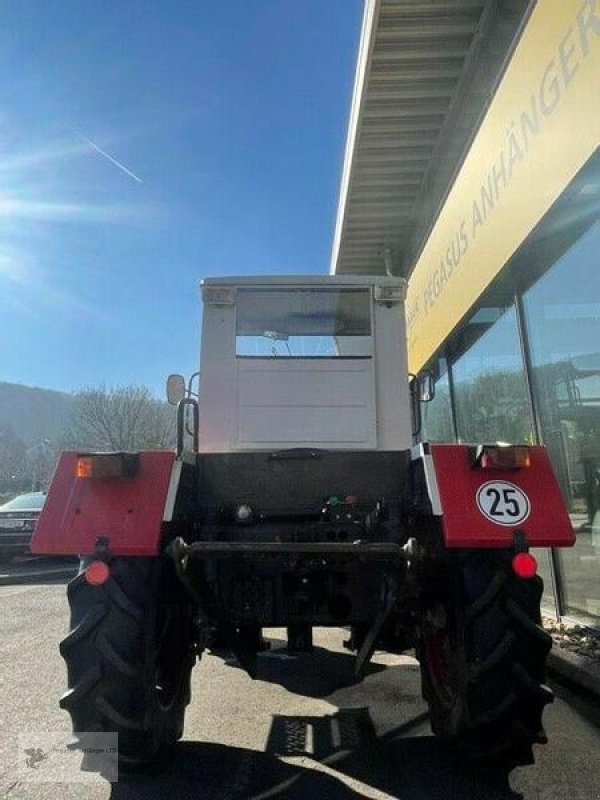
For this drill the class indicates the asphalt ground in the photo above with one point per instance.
(311, 733)
(37, 569)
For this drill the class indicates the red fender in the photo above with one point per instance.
(483, 507)
(128, 511)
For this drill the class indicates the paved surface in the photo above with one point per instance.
(310, 735)
(37, 569)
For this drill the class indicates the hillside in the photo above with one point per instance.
(34, 414)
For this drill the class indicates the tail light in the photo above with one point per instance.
(107, 465)
(502, 457)
(96, 573)
(524, 565)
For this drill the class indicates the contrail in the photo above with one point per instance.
(109, 157)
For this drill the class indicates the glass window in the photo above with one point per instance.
(543, 556)
(489, 383)
(563, 316)
(491, 396)
(303, 323)
(33, 501)
(437, 414)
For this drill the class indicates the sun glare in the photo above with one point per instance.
(43, 195)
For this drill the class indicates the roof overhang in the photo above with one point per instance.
(426, 72)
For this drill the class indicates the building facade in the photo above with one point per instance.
(472, 167)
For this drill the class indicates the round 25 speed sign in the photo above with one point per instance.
(503, 503)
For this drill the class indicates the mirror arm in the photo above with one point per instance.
(189, 386)
(415, 403)
(182, 424)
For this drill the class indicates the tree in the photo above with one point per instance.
(12, 456)
(40, 463)
(437, 417)
(121, 418)
(493, 407)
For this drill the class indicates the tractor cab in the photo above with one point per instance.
(310, 361)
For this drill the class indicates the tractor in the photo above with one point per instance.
(299, 494)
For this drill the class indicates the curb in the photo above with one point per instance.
(576, 669)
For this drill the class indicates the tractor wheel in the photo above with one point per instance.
(483, 655)
(129, 656)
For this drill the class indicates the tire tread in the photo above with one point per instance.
(500, 648)
(106, 652)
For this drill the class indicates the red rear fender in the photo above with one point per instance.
(128, 511)
(483, 507)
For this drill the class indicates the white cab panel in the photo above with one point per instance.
(312, 402)
(279, 399)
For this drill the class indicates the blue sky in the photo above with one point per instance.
(233, 116)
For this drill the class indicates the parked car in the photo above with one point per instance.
(17, 521)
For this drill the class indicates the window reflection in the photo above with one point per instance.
(563, 316)
(489, 383)
(491, 397)
(303, 323)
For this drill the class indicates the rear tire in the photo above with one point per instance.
(129, 657)
(483, 654)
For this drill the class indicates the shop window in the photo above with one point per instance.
(491, 396)
(543, 555)
(489, 383)
(563, 319)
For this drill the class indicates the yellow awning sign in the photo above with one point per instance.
(542, 126)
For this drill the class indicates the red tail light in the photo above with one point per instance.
(96, 573)
(524, 565)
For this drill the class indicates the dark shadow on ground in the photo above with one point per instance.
(315, 674)
(337, 755)
(411, 768)
(210, 771)
(376, 740)
(405, 761)
(419, 768)
(582, 701)
(397, 763)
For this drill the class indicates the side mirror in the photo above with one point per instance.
(175, 389)
(426, 387)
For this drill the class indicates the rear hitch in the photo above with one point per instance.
(376, 551)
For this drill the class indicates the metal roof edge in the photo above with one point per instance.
(467, 147)
(365, 51)
(316, 279)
